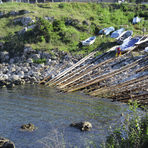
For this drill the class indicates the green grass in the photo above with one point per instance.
(104, 15)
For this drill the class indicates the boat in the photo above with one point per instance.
(129, 43)
(136, 20)
(89, 41)
(102, 31)
(126, 36)
(116, 34)
(107, 31)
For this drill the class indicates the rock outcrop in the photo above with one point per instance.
(83, 126)
(28, 127)
(6, 143)
(27, 68)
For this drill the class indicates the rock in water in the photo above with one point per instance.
(28, 127)
(83, 126)
(6, 143)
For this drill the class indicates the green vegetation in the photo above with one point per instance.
(39, 61)
(132, 134)
(73, 22)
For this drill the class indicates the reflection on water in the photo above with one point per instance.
(52, 112)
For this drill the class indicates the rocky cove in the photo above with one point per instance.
(39, 47)
(23, 69)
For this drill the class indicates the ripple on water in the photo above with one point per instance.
(52, 112)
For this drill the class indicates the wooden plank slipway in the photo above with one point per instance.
(75, 72)
(105, 76)
(66, 71)
(142, 40)
(118, 86)
(84, 73)
(88, 72)
(97, 89)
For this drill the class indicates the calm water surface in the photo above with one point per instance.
(52, 112)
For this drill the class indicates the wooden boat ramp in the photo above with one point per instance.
(117, 78)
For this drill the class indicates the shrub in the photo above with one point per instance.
(14, 44)
(133, 133)
(58, 25)
(69, 35)
(61, 5)
(39, 61)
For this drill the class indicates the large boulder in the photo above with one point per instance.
(36, 56)
(15, 77)
(13, 13)
(32, 26)
(11, 61)
(49, 18)
(28, 127)
(4, 56)
(21, 74)
(6, 143)
(28, 50)
(83, 126)
(21, 32)
(30, 60)
(25, 21)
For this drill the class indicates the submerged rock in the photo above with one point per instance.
(83, 126)
(6, 143)
(23, 20)
(28, 127)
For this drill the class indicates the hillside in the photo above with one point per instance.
(62, 26)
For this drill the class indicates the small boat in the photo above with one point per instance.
(102, 31)
(136, 20)
(116, 34)
(126, 36)
(129, 43)
(107, 31)
(89, 41)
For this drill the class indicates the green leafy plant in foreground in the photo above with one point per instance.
(132, 134)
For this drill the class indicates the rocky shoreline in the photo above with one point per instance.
(32, 66)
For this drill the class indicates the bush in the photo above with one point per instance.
(14, 44)
(69, 35)
(61, 5)
(133, 133)
(39, 61)
(58, 25)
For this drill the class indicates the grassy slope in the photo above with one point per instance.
(105, 15)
